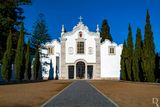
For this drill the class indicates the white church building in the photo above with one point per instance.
(79, 54)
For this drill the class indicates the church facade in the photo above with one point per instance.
(81, 55)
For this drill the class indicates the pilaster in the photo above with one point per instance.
(64, 71)
(97, 72)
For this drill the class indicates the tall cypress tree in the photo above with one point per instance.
(36, 65)
(123, 63)
(157, 69)
(137, 59)
(27, 62)
(105, 31)
(7, 59)
(129, 54)
(149, 51)
(19, 54)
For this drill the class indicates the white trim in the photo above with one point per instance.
(112, 43)
(51, 42)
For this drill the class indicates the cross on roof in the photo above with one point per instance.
(80, 18)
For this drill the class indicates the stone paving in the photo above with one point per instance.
(80, 94)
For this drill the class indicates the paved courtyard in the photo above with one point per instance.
(80, 94)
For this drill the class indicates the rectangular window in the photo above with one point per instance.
(80, 47)
(50, 50)
(112, 50)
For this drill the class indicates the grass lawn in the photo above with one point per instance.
(31, 94)
(129, 94)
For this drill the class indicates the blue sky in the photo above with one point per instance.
(119, 14)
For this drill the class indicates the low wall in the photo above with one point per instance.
(110, 78)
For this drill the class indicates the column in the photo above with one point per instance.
(74, 71)
(86, 72)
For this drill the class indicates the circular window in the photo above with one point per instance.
(90, 50)
(70, 50)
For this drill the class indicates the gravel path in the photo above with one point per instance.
(80, 94)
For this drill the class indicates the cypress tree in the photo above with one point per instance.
(27, 63)
(137, 59)
(123, 63)
(105, 31)
(36, 65)
(19, 54)
(149, 52)
(129, 54)
(7, 60)
(157, 69)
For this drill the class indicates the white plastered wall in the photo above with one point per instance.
(51, 57)
(110, 64)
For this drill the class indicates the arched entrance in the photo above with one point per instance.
(80, 70)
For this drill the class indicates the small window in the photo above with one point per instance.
(112, 50)
(80, 34)
(50, 50)
(80, 47)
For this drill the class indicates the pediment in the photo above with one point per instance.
(80, 27)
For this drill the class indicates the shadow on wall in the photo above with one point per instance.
(51, 71)
(56, 78)
(40, 73)
(44, 67)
